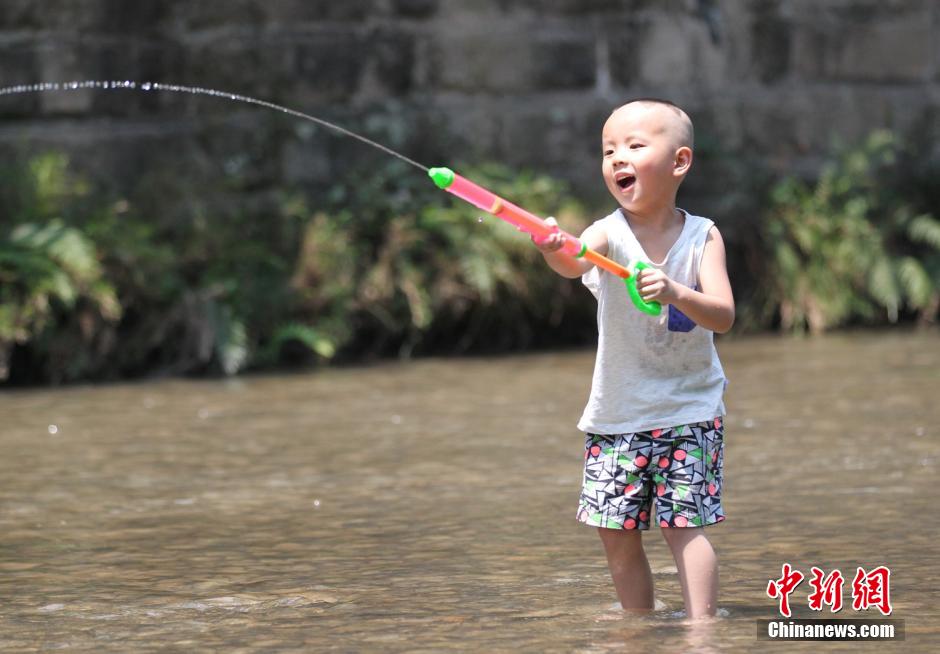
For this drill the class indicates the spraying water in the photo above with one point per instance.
(43, 87)
(444, 178)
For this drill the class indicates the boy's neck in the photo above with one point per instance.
(661, 219)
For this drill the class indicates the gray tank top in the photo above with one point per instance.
(650, 372)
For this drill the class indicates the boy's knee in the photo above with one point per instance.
(681, 535)
(620, 538)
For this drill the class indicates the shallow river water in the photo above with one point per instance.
(429, 506)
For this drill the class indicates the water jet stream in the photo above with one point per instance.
(44, 87)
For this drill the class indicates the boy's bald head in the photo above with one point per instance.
(668, 119)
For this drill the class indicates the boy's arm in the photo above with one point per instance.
(713, 307)
(567, 266)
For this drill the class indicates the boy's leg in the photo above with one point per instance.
(697, 564)
(628, 567)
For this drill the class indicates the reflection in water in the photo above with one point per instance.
(431, 505)
(700, 637)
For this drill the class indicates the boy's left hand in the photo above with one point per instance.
(653, 284)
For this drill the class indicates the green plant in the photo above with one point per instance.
(856, 246)
(51, 280)
(394, 265)
(177, 274)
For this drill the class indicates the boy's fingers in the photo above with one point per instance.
(550, 243)
(645, 275)
(649, 288)
(542, 240)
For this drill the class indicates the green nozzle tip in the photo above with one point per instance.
(443, 177)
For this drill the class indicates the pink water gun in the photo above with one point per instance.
(447, 179)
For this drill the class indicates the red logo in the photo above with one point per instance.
(872, 589)
(869, 589)
(826, 591)
(781, 588)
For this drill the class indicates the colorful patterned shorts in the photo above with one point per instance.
(681, 467)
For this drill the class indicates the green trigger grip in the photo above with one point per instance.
(651, 308)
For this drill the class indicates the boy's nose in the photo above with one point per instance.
(620, 155)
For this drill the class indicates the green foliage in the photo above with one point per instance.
(180, 275)
(49, 271)
(856, 246)
(192, 272)
(394, 265)
(306, 336)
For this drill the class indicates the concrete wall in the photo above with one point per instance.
(769, 83)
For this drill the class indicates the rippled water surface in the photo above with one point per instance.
(429, 506)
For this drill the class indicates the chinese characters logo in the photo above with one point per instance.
(869, 589)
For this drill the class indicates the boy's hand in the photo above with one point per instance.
(551, 243)
(653, 284)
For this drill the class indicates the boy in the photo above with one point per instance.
(653, 420)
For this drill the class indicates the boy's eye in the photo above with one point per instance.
(636, 146)
(607, 153)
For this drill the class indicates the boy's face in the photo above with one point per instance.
(645, 155)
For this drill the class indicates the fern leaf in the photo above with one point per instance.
(925, 229)
(308, 336)
(883, 286)
(918, 286)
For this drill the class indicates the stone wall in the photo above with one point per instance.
(769, 83)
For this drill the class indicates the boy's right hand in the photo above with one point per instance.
(552, 242)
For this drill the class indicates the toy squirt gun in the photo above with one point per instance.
(527, 222)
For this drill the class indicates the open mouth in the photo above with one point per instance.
(624, 180)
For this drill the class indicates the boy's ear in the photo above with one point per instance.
(683, 161)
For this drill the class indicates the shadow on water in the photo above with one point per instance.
(430, 505)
